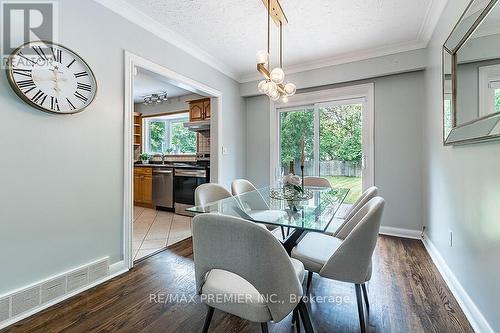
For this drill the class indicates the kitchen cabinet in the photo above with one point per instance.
(199, 109)
(143, 186)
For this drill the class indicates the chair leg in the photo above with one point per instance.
(309, 280)
(365, 294)
(208, 319)
(283, 232)
(304, 315)
(296, 319)
(360, 308)
(264, 328)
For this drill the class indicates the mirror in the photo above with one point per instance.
(471, 76)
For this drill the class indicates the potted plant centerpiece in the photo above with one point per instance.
(292, 190)
(144, 158)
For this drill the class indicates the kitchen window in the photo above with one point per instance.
(167, 134)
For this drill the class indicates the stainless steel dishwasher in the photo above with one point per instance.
(163, 187)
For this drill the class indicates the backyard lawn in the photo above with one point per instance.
(354, 183)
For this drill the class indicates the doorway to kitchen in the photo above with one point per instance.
(172, 127)
(336, 127)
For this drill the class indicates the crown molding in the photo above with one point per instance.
(344, 59)
(432, 15)
(144, 21)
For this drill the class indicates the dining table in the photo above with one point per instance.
(312, 211)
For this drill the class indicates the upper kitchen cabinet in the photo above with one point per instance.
(199, 109)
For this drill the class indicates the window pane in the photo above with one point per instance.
(340, 147)
(295, 126)
(182, 138)
(497, 99)
(157, 136)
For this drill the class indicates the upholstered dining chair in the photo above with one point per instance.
(254, 204)
(208, 193)
(317, 182)
(336, 227)
(240, 186)
(243, 270)
(348, 260)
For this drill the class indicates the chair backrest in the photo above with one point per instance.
(366, 196)
(248, 201)
(317, 182)
(240, 186)
(351, 262)
(208, 193)
(253, 253)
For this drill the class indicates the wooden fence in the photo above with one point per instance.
(328, 168)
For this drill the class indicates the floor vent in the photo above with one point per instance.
(78, 279)
(4, 309)
(53, 289)
(25, 300)
(22, 303)
(98, 270)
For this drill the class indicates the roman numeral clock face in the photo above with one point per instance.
(51, 78)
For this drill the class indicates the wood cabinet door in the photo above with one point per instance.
(147, 190)
(137, 188)
(196, 111)
(206, 109)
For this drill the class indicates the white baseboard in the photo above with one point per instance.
(400, 232)
(475, 317)
(114, 270)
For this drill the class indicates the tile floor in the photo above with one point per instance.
(155, 230)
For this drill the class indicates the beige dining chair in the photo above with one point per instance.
(243, 270)
(317, 182)
(348, 260)
(254, 204)
(208, 193)
(240, 186)
(336, 227)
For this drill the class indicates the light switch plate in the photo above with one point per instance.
(225, 151)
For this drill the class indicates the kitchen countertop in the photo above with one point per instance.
(172, 165)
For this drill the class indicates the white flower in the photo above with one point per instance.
(291, 180)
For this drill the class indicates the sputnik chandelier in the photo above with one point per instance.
(274, 84)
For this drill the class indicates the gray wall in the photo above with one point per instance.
(399, 103)
(461, 192)
(61, 191)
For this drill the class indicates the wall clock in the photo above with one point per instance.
(51, 78)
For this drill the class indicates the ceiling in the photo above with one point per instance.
(147, 83)
(320, 33)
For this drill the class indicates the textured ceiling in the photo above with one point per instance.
(318, 31)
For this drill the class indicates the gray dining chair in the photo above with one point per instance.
(244, 270)
(336, 227)
(348, 260)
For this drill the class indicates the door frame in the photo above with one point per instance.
(365, 91)
(132, 61)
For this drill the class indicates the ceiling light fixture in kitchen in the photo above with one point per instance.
(156, 98)
(274, 84)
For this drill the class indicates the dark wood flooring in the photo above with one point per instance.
(407, 294)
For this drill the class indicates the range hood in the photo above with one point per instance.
(198, 126)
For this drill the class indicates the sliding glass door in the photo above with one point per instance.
(333, 139)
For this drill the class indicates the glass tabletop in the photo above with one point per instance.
(314, 214)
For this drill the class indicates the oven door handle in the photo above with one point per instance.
(197, 174)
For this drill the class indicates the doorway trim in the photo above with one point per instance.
(365, 91)
(131, 62)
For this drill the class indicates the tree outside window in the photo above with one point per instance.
(166, 134)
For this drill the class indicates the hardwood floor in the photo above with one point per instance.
(406, 292)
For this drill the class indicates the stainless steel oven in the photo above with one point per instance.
(185, 182)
